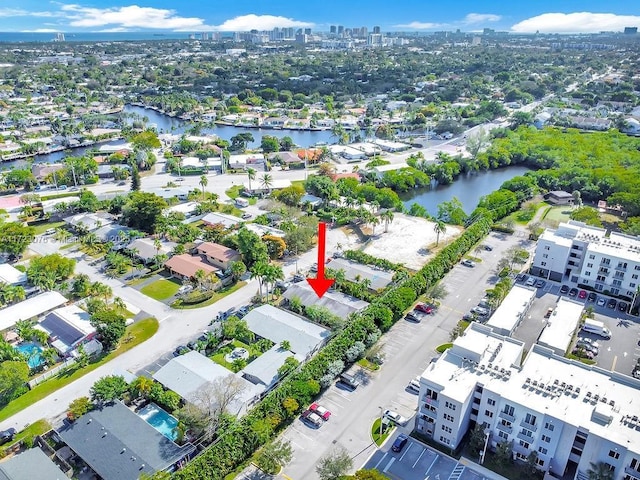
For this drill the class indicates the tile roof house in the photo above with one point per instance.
(185, 266)
(117, 444)
(218, 255)
(32, 464)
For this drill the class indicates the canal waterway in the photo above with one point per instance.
(468, 189)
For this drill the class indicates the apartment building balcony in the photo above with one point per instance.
(430, 401)
(507, 417)
(526, 438)
(517, 448)
(604, 272)
(528, 426)
(504, 428)
(429, 413)
(632, 471)
(605, 261)
(620, 268)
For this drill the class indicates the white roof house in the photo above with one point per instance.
(11, 275)
(264, 369)
(512, 310)
(337, 303)
(264, 230)
(67, 327)
(216, 218)
(561, 326)
(29, 308)
(187, 373)
(353, 271)
(278, 325)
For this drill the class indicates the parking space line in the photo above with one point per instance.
(421, 453)
(383, 457)
(388, 465)
(432, 464)
(406, 451)
(615, 360)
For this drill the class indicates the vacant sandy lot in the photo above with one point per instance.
(409, 240)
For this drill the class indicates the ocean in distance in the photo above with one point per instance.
(46, 37)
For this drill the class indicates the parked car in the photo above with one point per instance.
(612, 303)
(181, 350)
(549, 312)
(312, 418)
(424, 308)
(185, 289)
(50, 231)
(399, 443)
(246, 216)
(414, 385)
(414, 316)
(468, 263)
(601, 302)
(488, 248)
(298, 278)
(573, 292)
(480, 310)
(540, 283)
(395, 417)
(564, 289)
(530, 282)
(582, 295)
(588, 348)
(321, 411)
(349, 380)
(522, 277)
(622, 306)
(592, 297)
(7, 435)
(588, 341)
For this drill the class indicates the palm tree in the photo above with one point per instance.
(203, 183)
(439, 227)
(251, 173)
(257, 271)
(387, 216)
(600, 471)
(271, 274)
(199, 277)
(266, 182)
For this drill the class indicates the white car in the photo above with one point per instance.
(601, 302)
(530, 282)
(414, 385)
(395, 417)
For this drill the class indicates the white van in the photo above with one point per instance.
(242, 202)
(596, 327)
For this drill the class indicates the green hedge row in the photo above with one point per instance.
(361, 257)
(241, 439)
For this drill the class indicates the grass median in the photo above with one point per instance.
(134, 336)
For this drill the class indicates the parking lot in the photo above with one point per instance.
(418, 461)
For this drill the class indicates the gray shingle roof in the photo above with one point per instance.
(338, 303)
(379, 278)
(119, 445)
(31, 465)
(265, 367)
(277, 325)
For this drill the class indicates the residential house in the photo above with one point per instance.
(258, 188)
(558, 197)
(117, 444)
(11, 275)
(218, 255)
(216, 218)
(30, 308)
(67, 328)
(289, 159)
(337, 303)
(263, 371)
(88, 222)
(185, 266)
(356, 272)
(42, 170)
(145, 249)
(31, 464)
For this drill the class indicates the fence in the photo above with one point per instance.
(51, 372)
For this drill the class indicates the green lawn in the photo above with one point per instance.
(375, 432)
(556, 215)
(36, 428)
(134, 336)
(216, 296)
(161, 289)
(364, 363)
(234, 192)
(40, 228)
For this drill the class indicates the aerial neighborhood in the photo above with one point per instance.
(170, 202)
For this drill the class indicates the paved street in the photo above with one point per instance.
(409, 347)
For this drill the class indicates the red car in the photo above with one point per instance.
(424, 308)
(321, 411)
(582, 294)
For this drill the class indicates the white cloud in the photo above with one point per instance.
(577, 22)
(245, 23)
(41, 30)
(481, 18)
(19, 12)
(420, 25)
(132, 16)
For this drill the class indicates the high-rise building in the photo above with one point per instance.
(307, 31)
(569, 414)
(333, 30)
(364, 31)
(340, 30)
(376, 29)
(630, 30)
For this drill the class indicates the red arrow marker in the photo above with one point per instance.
(320, 284)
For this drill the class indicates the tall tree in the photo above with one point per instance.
(135, 179)
(203, 183)
(440, 228)
(251, 173)
(334, 465)
(143, 211)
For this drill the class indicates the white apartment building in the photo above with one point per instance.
(569, 413)
(587, 256)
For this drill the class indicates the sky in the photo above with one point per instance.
(545, 16)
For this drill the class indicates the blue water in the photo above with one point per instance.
(32, 352)
(160, 420)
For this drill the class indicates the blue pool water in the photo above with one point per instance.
(32, 351)
(160, 420)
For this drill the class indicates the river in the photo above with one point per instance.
(468, 189)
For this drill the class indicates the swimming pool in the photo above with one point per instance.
(160, 420)
(33, 353)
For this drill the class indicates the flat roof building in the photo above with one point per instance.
(568, 412)
(355, 272)
(30, 308)
(337, 303)
(67, 327)
(11, 275)
(512, 310)
(216, 218)
(32, 464)
(561, 326)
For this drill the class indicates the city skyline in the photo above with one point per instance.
(405, 15)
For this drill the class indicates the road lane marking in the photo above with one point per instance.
(383, 457)
(615, 360)
(388, 465)
(406, 451)
(421, 453)
(432, 464)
